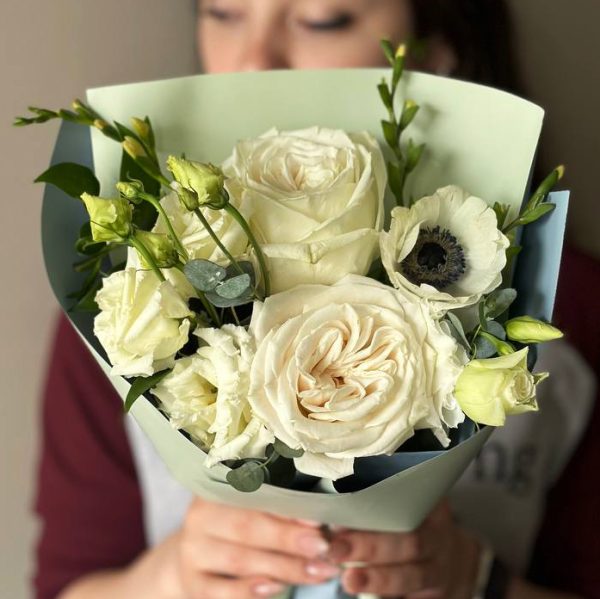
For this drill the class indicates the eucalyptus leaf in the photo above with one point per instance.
(287, 452)
(235, 288)
(73, 179)
(247, 478)
(141, 385)
(204, 275)
(498, 302)
(496, 329)
(458, 330)
(484, 349)
(220, 302)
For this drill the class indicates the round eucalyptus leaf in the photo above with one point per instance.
(204, 275)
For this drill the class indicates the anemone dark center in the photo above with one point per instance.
(437, 259)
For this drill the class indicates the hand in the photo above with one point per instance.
(437, 561)
(228, 553)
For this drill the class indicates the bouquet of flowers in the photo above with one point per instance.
(324, 320)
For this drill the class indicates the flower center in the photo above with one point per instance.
(437, 259)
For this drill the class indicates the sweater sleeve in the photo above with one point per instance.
(88, 499)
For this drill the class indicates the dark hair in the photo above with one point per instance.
(480, 33)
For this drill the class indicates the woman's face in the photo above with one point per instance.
(244, 35)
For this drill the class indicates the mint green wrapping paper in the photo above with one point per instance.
(478, 138)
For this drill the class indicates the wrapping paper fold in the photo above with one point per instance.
(481, 139)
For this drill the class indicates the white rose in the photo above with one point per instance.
(314, 200)
(194, 236)
(143, 322)
(350, 371)
(446, 249)
(206, 395)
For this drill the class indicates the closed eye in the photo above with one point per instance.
(221, 15)
(337, 23)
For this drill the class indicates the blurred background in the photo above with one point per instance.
(50, 52)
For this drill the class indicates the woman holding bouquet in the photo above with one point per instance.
(96, 476)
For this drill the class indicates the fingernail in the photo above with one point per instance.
(312, 545)
(322, 570)
(339, 549)
(268, 589)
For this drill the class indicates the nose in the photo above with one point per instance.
(264, 53)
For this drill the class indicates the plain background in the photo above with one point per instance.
(52, 50)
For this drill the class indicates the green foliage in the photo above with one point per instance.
(204, 275)
(287, 452)
(247, 478)
(141, 385)
(498, 302)
(73, 179)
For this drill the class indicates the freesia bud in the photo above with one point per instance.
(160, 247)
(134, 148)
(206, 180)
(142, 128)
(100, 124)
(490, 390)
(110, 219)
(525, 329)
(401, 51)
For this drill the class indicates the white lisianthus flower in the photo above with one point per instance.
(490, 390)
(207, 396)
(143, 322)
(314, 199)
(446, 249)
(194, 237)
(351, 370)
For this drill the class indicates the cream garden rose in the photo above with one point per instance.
(314, 198)
(445, 249)
(351, 370)
(143, 322)
(490, 390)
(207, 396)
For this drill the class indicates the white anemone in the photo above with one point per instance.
(446, 249)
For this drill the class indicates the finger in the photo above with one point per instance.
(218, 587)
(390, 581)
(257, 529)
(221, 557)
(381, 548)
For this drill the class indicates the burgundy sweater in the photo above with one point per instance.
(89, 500)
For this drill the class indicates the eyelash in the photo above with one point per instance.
(338, 23)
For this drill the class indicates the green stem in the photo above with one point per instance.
(143, 251)
(172, 234)
(234, 213)
(217, 241)
(235, 317)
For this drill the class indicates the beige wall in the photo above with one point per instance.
(51, 50)
(559, 47)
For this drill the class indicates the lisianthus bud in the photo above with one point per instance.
(525, 329)
(187, 197)
(489, 390)
(142, 128)
(130, 189)
(110, 219)
(160, 247)
(134, 148)
(206, 180)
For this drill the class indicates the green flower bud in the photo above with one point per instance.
(110, 219)
(489, 390)
(160, 247)
(130, 189)
(206, 180)
(141, 128)
(134, 148)
(525, 329)
(100, 124)
(187, 197)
